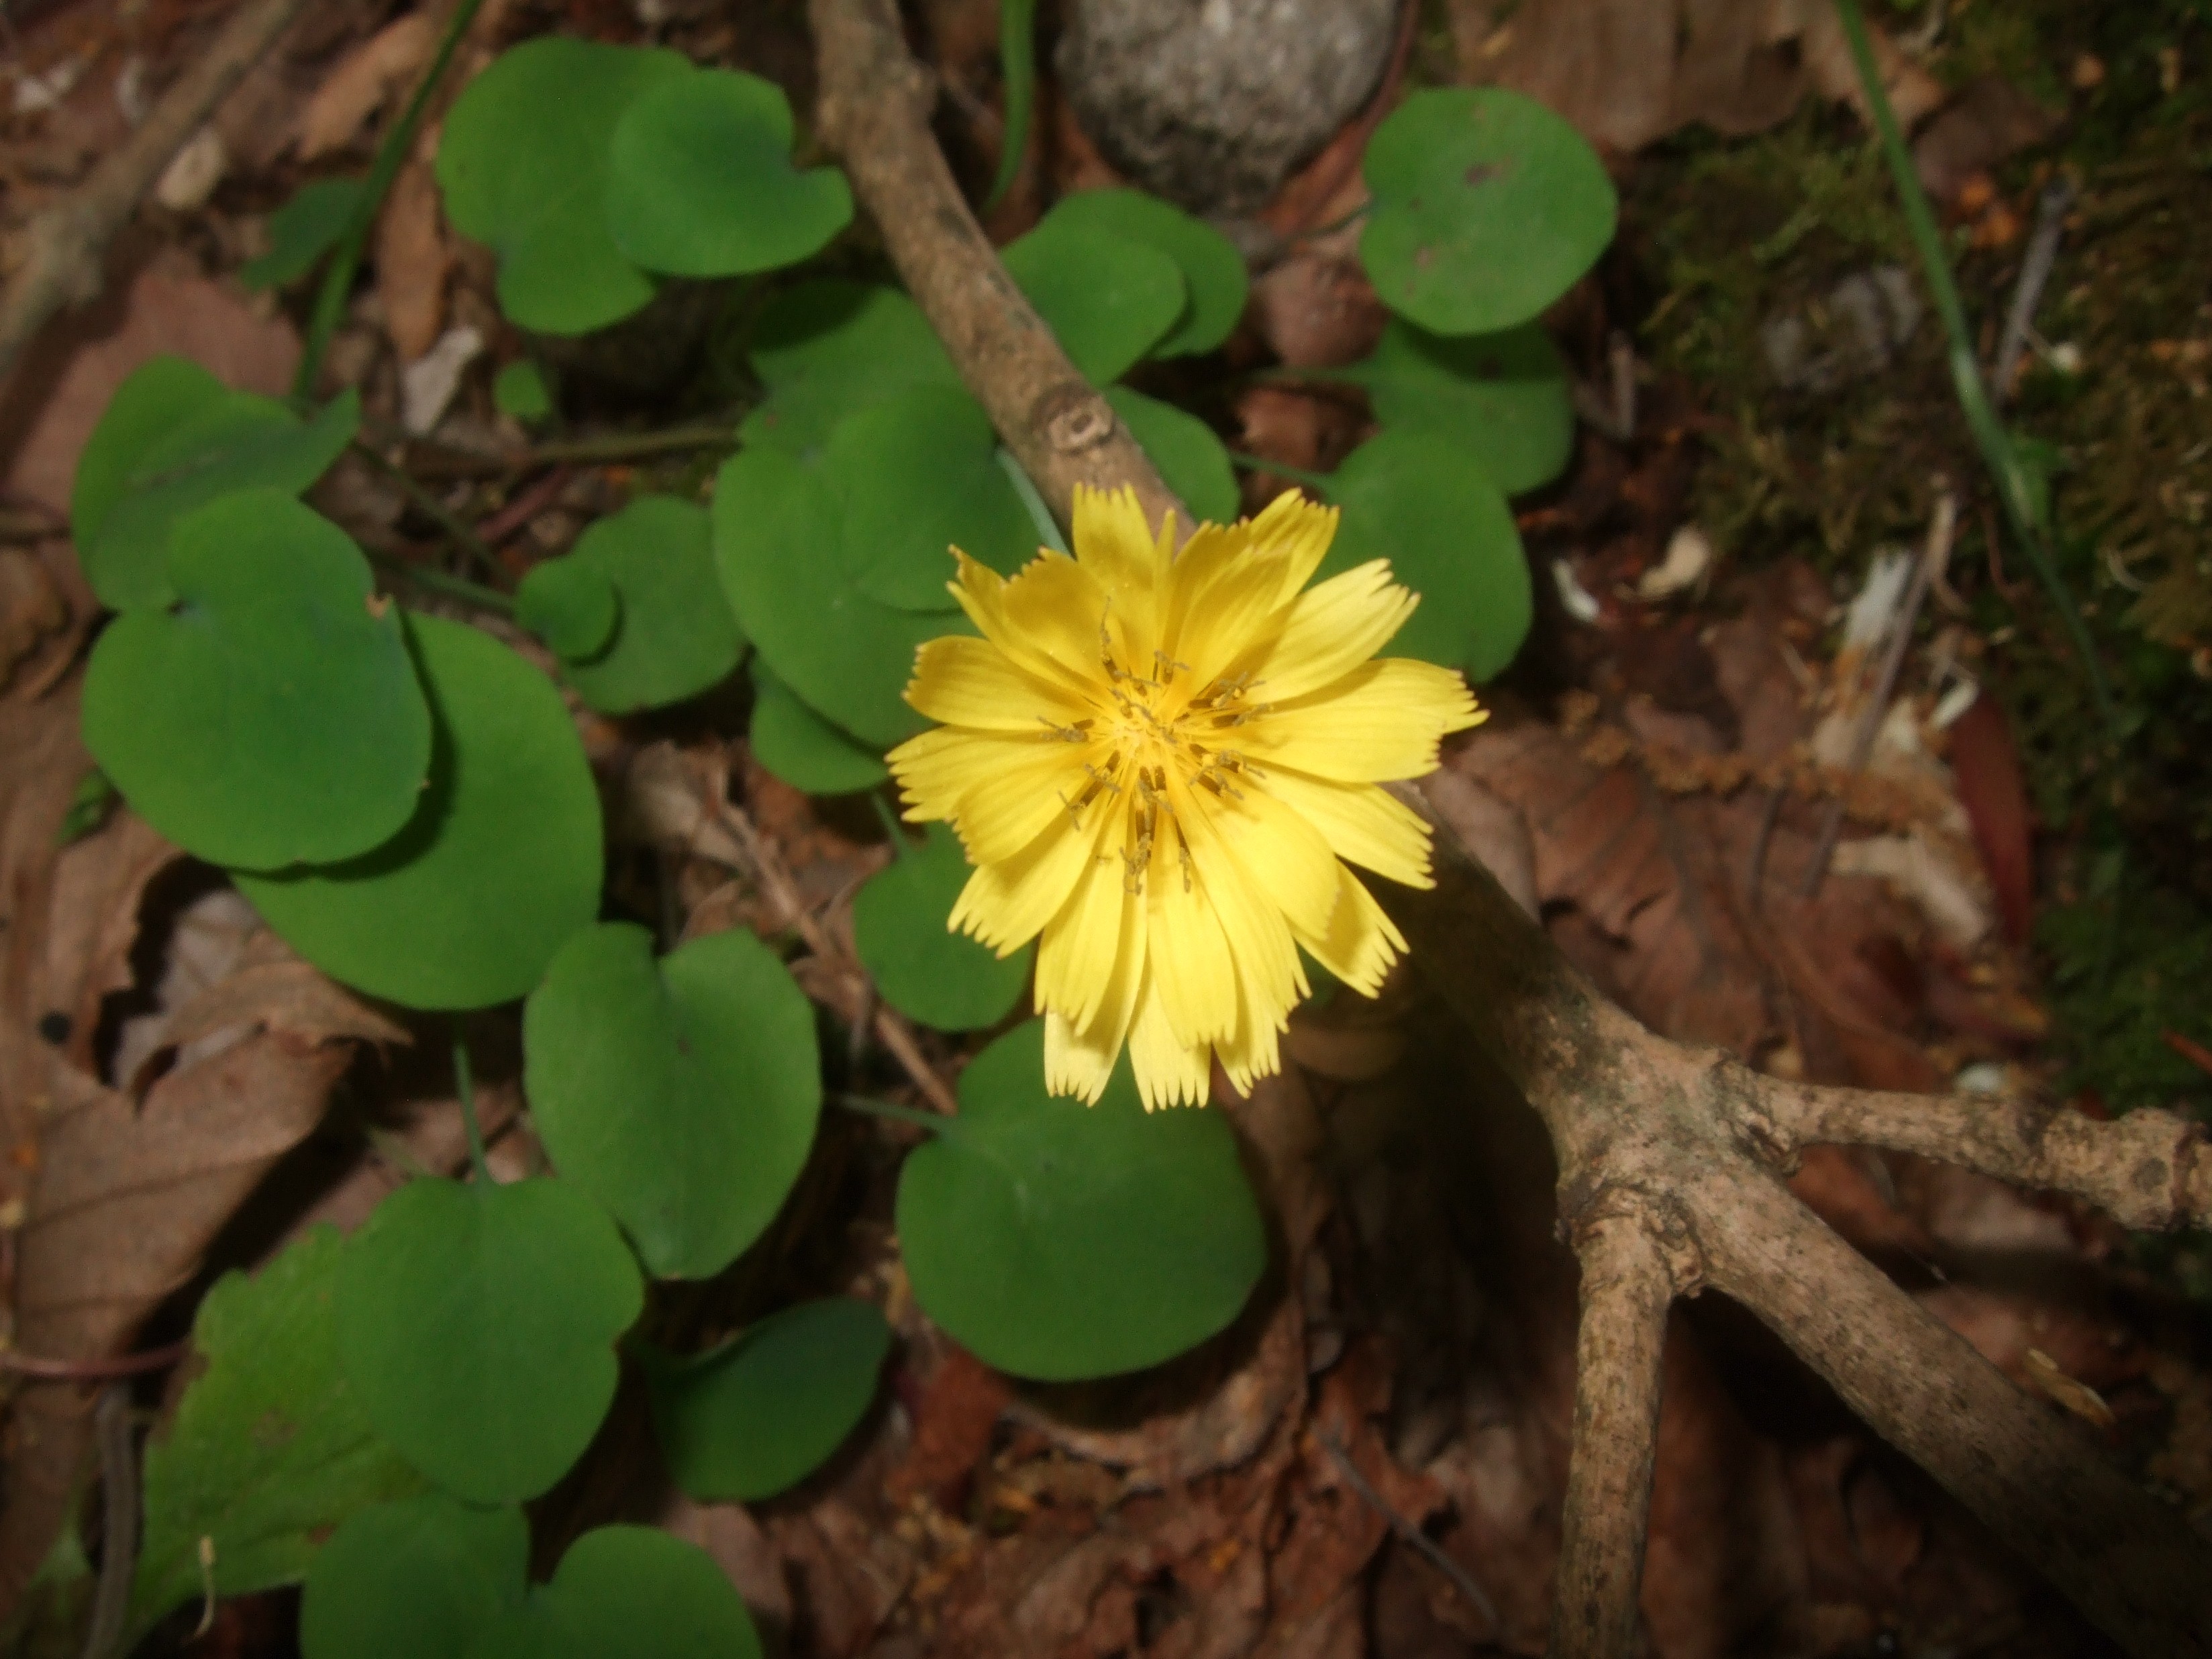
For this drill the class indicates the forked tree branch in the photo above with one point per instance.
(1671, 1159)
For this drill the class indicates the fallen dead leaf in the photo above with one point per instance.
(361, 83)
(1985, 765)
(1987, 122)
(31, 608)
(412, 261)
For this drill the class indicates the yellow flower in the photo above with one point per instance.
(1158, 762)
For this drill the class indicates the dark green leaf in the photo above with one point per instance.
(923, 968)
(1501, 398)
(272, 715)
(523, 161)
(1487, 207)
(303, 230)
(674, 636)
(627, 1593)
(1061, 1241)
(520, 390)
(700, 181)
(1190, 458)
(422, 1578)
(1108, 299)
(500, 864)
(477, 1323)
(569, 603)
(1213, 270)
(1411, 497)
(762, 1411)
(802, 748)
(681, 1094)
(830, 348)
(269, 1448)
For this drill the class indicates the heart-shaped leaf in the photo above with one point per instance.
(830, 348)
(1501, 398)
(477, 1322)
(627, 1593)
(1213, 270)
(272, 715)
(923, 968)
(1412, 498)
(424, 1577)
(1060, 1241)
(673, 636)
(764, 1410)
(523, 161)
(268, 1449)
(681, 1094)
(174, 438)
(303, 229)
(499, 865)
(700, 181)
(803, 749)
(1190, 458)
(1487, 207)
(520, 389)
(571, 604)
(1108, 299)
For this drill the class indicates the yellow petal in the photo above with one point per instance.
(1000, 790)
(1331, 630)
(1054, 644)
(969, 682)
(1007, 904)
(1113, 542)
(1080, 1062)
(1098, 934)
(1298, 532)
(1382, 720)
(1361, 823)
(1268, 972)
(1285, 857)
(1360, 943)
(1169, 1072)
(1256, 1050)
(1194, 977)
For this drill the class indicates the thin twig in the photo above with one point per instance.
(464, 538)
(65, 248)
(498, 527)
(2050, 210)
(437, 581)
(624, 446)
(118, 1554)
(1933, 557)
(1461, 1579)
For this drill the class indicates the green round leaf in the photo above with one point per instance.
(1060, 1241)
(1108, 300)
(1503, 398)
(919, 475)
(1213, 270)
(802, 748)
(923, 968)
(303, 230)
(1190, 458)
(829, 348)
(848, 657)
(500, 864)
(422, 1578)
(674, 636)
(700, 181)
(627, 1593)
(523, 162)
(272, 715)
(681, 1094)
(763, 1411)
(477, 1324)
(520, 390)
(571, 604)
(174, 438)
(1411, 497)
(1487, 207)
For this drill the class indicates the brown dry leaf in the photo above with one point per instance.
(848, 1573)
(2085, 1402)
(362, 81)
(412, 260)
(1989, 121)
(737, 1544)
(1317, 308)
(32, 609)
(953, 1428)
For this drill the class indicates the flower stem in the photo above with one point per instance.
(464, 1087)
(437, 581)
(1320, 482)
(1017, 67)
(1047, 528)
(932, 1122)
(465, 539)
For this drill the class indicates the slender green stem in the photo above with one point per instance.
(465, 539)
(2014, 489)
(338, 275)
(1342, 221)
(1048, 527)
(935, 1122)
(1017, 63)
(1319, 482)
(892, 828)
(464, 1087)
(437, 581)
(621, 445)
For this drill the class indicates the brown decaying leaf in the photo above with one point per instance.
(362, 81)
(32, 609)
(1986, 765)
(1988, 121)
(412, 260)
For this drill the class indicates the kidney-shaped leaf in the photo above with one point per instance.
(424, 1578)
(570, 604)
(922, 968)
(272, 715)
(500, 864)
(174, 438)
(1108, 299)
(1191, 460)
(1487, 207)
(523, 162)
(802, 747)
(673, 635)
(700, 181)
(829, 348)
(1061, 1241)
(1213, 270)
(681, 1094)
(762, 1411)
(1411, 497)
(1501, 398)
(477, 1322)
(303, 230)
(627, 1593)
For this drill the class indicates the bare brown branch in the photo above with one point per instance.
(64, 247)
(1627, 1286)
